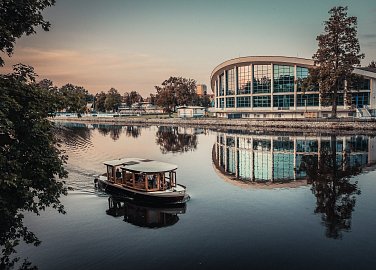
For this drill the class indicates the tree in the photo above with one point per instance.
(337, 54)
(174, 92)
(73, 98)
(100, 100)
(30, 161)
(151, 99)
(19, 18)
(372, 64)
(132, 97)
(113, 100)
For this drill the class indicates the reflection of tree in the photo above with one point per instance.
(170, 140)
(72, 136)
(133, 131)
(335, 195)
(114, 131)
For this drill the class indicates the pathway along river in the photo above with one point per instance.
(258, 201)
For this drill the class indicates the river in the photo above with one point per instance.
(258, 201)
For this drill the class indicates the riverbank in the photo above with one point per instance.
(297, 125)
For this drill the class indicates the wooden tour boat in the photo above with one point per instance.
(143, 180)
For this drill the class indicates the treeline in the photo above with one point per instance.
(176, 91)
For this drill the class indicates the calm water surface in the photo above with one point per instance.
(253, 205)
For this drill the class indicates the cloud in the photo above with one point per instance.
(96, 70)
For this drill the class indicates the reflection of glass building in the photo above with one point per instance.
(269, 86)
(277, 159)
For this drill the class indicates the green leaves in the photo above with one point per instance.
(337, 54)
(30, 162)
(174, 92)
(20, 18)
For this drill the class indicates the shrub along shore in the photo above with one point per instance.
(294, 125)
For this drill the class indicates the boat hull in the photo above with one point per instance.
(168, 197)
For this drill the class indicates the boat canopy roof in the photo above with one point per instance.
(141, 165)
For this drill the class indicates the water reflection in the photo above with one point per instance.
(272, 159)
(145, 216)
(113, 130)
(133, 131)
(325, 162)
(329, 174)
(174, 139)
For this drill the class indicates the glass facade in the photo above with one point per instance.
(230, 82)
(250, 85)
(261, 101)
(307, 100)
(221, 103)
(283, 78)
(221, 85)
(360, 99)
(230, 102)
(243, 102)
(283, 101)
(361, 84)
(262, 79)
(301, 74)
(244, 80)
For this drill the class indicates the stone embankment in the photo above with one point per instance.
(298, 125)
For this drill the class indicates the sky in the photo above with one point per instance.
(135, 45)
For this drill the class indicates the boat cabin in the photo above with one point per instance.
(141, 174)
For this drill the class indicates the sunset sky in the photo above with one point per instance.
(135, 45)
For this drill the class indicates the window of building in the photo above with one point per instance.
(307, 100)
(301, 74)
(221, 85)
(360, 99)
(230, 102)
(283, 101)
(230, 81)
(261, 101)
(261, 78)
(360, 84)
(283, 78)
(243, 102)
(244, 80)
(221, 103)
(216, 88)
(283, 145)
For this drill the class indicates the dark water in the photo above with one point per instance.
(258, 201)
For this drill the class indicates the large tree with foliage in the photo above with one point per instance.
(176, 91)
(100, 100)
(73, 98)
(113, 100)
(19, 18)
(337, 54)
(30, 162)
(132, 97)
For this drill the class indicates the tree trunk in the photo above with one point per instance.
(334, 103)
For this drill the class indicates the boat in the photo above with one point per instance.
(147, 216)
(142, 180)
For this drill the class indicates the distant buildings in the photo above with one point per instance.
(202, 90)
(190, 111)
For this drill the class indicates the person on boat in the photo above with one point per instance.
(118, 174)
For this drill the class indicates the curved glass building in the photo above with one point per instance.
(268, 87)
